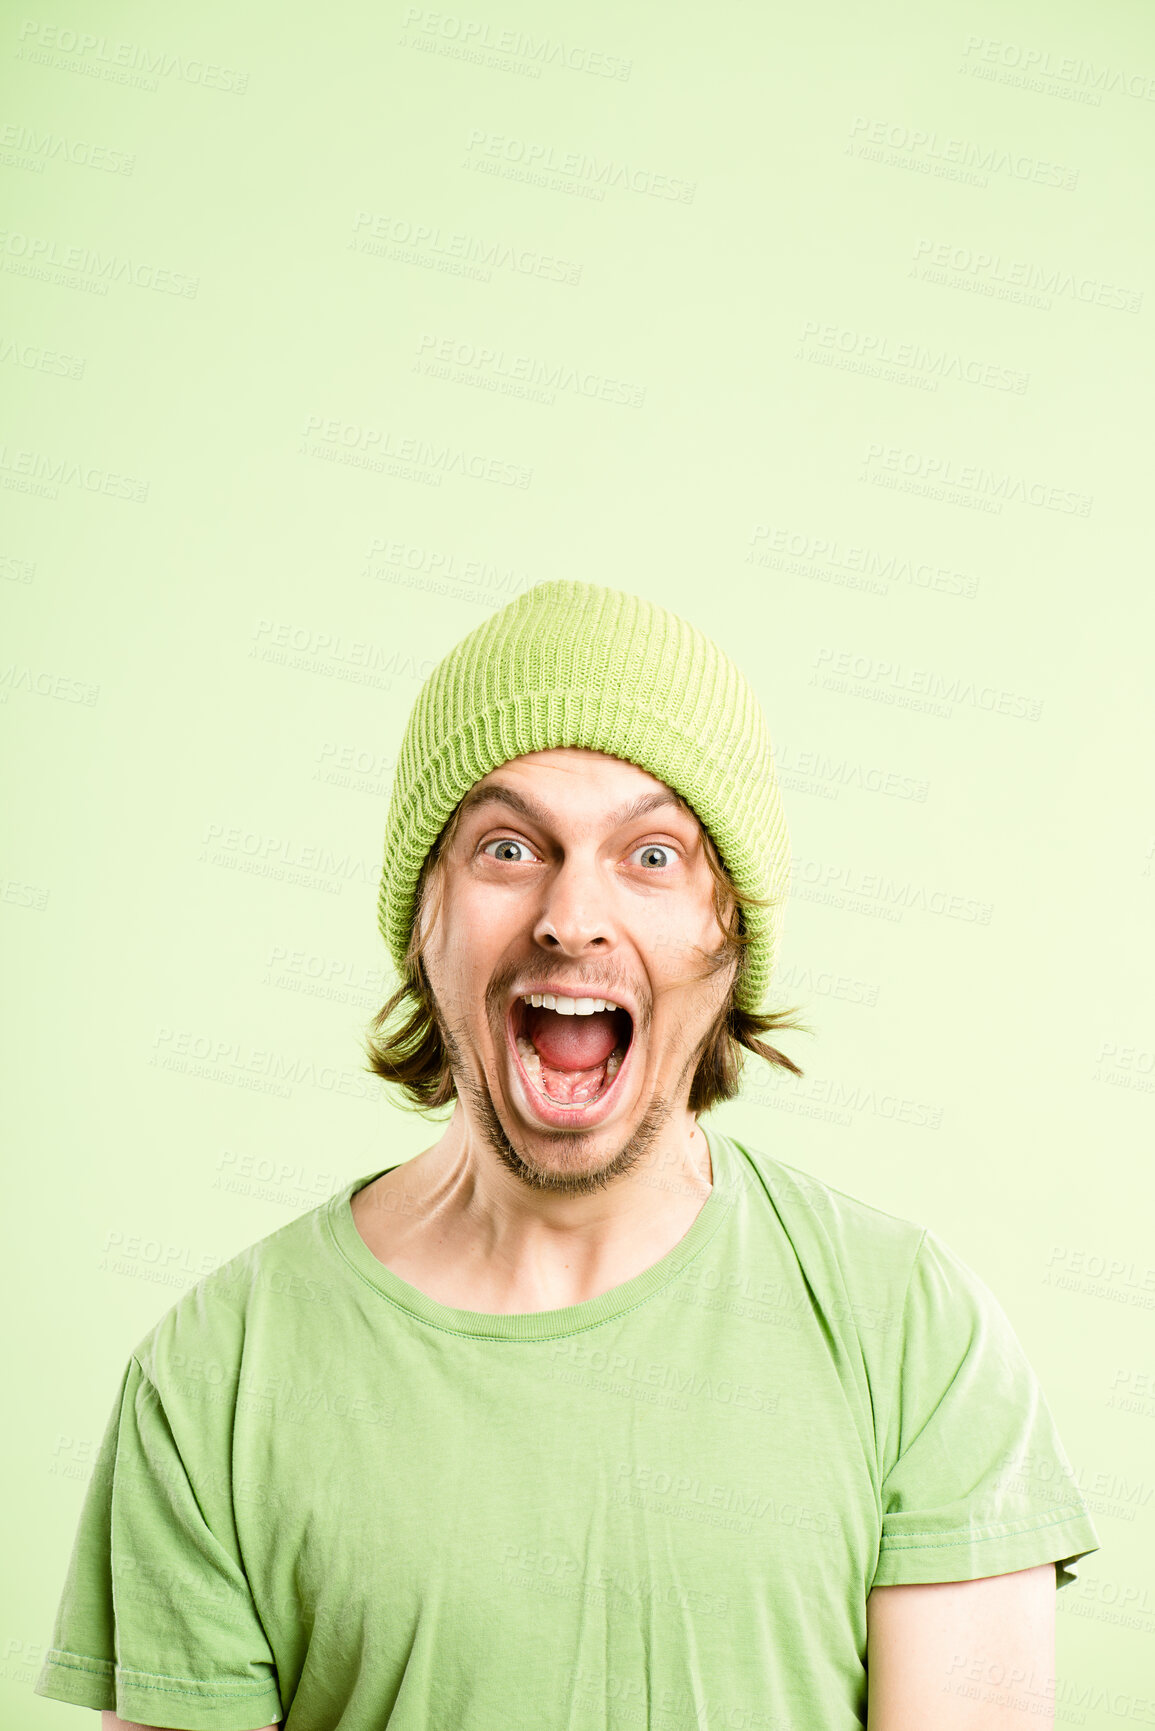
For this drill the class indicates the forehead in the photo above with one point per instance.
(572, 766)
(570, 780)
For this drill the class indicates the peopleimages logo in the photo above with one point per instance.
(933, 152)
(1038, 64)
(518, 374)
(455, 251)
(830, 559)
(998, 486)
(475, 39)
(385, 451)
(992, 273)
(498, 153)
(82, 266)
(880, 679)
(34, 471)
(104, 57)
(879, 352)
(501, 581)
(40, 147)
(856, 891)
(37, 360)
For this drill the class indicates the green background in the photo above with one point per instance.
(324, 335)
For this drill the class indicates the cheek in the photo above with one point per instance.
(676, 935)
(483, 915)
(471, 933)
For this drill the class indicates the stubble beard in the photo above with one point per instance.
(575, 1178)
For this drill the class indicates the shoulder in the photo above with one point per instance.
(290, 1272)
(815, 1213)
(895, 1273)
(858, 1260)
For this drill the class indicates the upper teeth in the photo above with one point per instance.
(568, 1006)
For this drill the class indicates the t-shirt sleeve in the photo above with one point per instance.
(976, 1482)
(156, 1621)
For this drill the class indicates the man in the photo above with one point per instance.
(585, 1417)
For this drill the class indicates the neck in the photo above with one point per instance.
(493, 1227)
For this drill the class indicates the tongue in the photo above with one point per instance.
(572, 1042)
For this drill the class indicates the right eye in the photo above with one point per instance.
(506, 841)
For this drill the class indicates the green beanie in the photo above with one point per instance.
(574, 664)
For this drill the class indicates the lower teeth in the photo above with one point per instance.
(585, 1091)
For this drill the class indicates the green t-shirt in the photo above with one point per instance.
(327, 1499)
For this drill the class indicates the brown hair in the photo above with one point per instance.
(413, 1055)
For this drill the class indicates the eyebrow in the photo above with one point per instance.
(499, 794)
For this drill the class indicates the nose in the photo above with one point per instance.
(576, 916)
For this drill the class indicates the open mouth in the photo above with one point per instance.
(571, 1056)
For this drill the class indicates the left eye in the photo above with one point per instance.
(650, 850)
